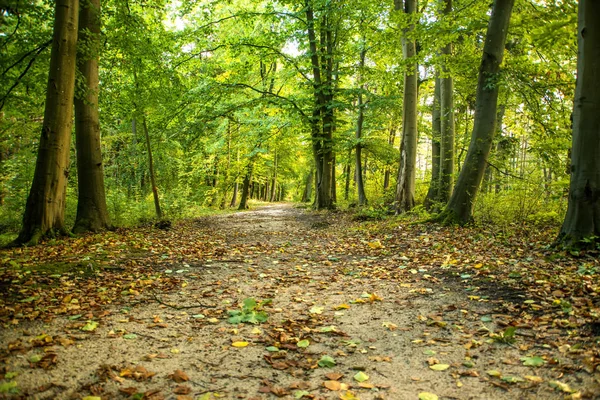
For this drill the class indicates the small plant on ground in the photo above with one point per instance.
(507, 337)
(251, 312)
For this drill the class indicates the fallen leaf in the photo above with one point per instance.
(439, 367)
(332, 385)
(361, 376)
(427, 396)
(179, 376)
(240, 344)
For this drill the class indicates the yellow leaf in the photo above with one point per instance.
(256, 331)
(533, 378)
(478, 266)
(239, 344)
(348, 396)
(439, 367)
(375, 244)
(427, 396)
(342, 307)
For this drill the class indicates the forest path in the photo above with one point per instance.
(144, 314)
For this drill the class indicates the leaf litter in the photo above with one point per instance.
(260, 305)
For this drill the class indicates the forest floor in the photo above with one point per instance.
(323, 307)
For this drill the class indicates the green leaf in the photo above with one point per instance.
(361, 377)
(34, 358)
(494, 373)
(75, 317)
(298, 394)
(130, 336)
(303, 343)
(9, 387)
(535, 361)
(249, 304)
(90, 326)
(486, 318)
(272, 349)
(512, 379)
(429, 352)
(29, 299)
(326, 329)
(198, 316)
(10, 375)
(326, 362)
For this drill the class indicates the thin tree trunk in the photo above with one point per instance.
(45, 208)
(386, 177)
(347, 172)
(274, 182)
(360, 186)
(92, 213)
(432, 194)
(405, 189)
(581, 226)
(151, 170)
(460, 207)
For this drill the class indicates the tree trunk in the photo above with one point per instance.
(92, 213)
(307, 187)
(460, 207)
(246, 185)
(447, 121)
(581, 227)
(405, 189)
(347, 172)
(321, 133)
(235, 194)
(45, 209)
(386, 176)
(432, 194)
(274, 181)
(151, 170)
(360, 186)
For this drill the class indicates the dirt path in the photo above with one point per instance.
(349, 303)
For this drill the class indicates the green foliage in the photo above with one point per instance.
(506, 337)
(251, 312)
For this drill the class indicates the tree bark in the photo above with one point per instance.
(432, 194)
(405, 188)
(581, 227)
(323, 113)
(386, 176)
(360, 186)
(307, 187)
(245, 188)
(92, 213)
(460, 207)
(45, 209)
(157, 208)
(446, 175)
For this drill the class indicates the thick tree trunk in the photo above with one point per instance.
(432, 194)
(581, 226)
(45, 208)
(92, 213)
(151, 170)
(405, 189)
(447, 121)
(460, 207)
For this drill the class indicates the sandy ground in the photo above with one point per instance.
(374, 312)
